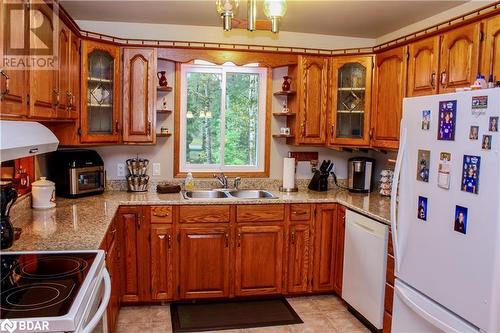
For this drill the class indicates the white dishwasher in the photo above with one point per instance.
(365, 261)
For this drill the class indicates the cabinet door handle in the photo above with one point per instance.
(332, 130)
(169, 240)
(239, 240)
(117, 127)
(55, 95)
(293, 237)
(433, 80)
(161, 236)
(139, 222)
(7, 80)
(149, 128)
(303, 128)
(371, 133)
(69, 96)
(226, 239)
(444, 78)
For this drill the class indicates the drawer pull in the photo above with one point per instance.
(169, 241)
(299, 213)
(239, 240)
(226, 239)
(293, 237)
(160, 214)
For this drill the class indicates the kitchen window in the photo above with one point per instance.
(223, 118)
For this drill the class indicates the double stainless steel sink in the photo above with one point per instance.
(225, 194)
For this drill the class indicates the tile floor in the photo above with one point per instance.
(321, 314)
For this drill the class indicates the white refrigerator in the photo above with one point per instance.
(445, 214)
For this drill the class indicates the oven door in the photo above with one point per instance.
(94, 319)
(86, 180)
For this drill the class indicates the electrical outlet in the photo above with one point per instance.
(120, 170)
(156, 169)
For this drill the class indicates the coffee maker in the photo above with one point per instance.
(360, 174)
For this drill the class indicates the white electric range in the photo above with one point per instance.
(53, 291)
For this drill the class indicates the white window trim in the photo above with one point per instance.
(262, 72)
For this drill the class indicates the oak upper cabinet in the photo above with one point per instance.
(299, 258)
(312, 89)
(204, 262)
(351, 101)
(161, 262)
(324, 247)
(339, 249)
(63, 74)
(100, 114)
(459, 57)
(44, 96)
(491, 48)
(423, 67)
(388, 93)
(135, 249)
(259, 259)
(139, 95)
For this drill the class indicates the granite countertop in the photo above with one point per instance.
(82, 223)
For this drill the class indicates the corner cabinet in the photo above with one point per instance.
(139, 95)
(100, 115)
(389, 90)
(351, 101)
(312, 90)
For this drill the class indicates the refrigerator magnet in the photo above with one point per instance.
(470, 174)
(422, 208)
(444, 170)
(423, 163)
(486, 144)
(426, 120)
(447, 120)
(479, 105)
(493, 124)
(474, 133)
(460, 224)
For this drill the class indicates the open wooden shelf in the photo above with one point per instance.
(284, 93)
(283, 136)
(165, 89)
(164, 111)
(283, 114)
(163, 135)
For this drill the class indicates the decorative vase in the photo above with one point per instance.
(162, 79)
(286, 83)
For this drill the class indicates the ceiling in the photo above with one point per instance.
(368, 19)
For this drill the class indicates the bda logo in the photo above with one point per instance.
(8, 325)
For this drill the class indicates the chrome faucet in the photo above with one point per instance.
(237, 182)
(222, 179)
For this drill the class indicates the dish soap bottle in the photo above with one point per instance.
(189, 182)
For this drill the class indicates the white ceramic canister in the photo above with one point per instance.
(43, 194)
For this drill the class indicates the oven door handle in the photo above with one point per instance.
(102, 307)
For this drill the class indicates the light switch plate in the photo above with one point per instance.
(120, 170)
(156, 169)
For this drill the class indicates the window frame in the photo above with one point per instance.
(201, 170)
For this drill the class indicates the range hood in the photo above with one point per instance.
(25, 138)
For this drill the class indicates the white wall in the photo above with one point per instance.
(172, 32)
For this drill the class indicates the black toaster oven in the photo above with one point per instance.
(77, 172)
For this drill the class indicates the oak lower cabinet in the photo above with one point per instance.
(135, 254)
(259, 259)
(299, 258)
(328, 249)
(388, 92)
(161, 247)
(204, 262)
(459, 59)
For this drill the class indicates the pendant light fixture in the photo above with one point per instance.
(275, 10)
(227, 9)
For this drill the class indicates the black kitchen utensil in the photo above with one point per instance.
(8, 195)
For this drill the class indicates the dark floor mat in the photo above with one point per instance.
(232, 314)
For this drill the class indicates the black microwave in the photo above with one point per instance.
(77, 172)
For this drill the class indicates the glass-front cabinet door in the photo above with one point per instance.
(100, 121)
(351, 91)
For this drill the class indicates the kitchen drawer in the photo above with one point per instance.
(390, 249)
(387, 322)
(300, 212)
(205, 213)
(390, 270)
(161, 214)
(389, 294)
(260, 213)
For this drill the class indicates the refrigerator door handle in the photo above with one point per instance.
(394, 192)
(424, 314)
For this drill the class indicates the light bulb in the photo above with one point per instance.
(274, 10)
(227, 9)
